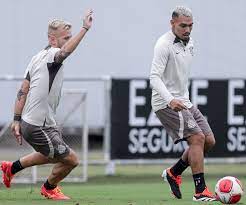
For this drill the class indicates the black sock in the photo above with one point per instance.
(199, 182)
(16, 167)
(49, 186)
(179, 167)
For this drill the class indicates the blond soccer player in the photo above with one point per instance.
(35, 108)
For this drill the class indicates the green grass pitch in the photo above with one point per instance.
(132, 185)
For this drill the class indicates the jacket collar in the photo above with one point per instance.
(178, 40)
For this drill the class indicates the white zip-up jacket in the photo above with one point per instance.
(170, 71)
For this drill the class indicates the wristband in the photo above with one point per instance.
(17, 117)
(85, 28)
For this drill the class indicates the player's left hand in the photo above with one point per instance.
(16, 131)
(87, 21)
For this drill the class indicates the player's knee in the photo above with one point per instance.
(74, 160)
(210, 141)
(201, 138)
(197, 139)
(71, 160)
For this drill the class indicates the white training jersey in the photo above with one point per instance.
(46, 78)
(170, 71)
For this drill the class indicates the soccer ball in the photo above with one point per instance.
(229, 190)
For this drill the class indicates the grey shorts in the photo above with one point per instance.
(185, 123)
(46, 140)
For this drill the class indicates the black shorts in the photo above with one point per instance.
(46, 140)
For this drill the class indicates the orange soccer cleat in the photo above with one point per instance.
(206, 195)
(54, 194)
(7, 175)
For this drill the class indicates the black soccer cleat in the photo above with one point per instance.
(174, 183)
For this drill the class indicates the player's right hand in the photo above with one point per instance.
(87, 21)
(177, 105)
(16, 131)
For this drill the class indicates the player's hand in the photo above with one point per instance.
(177, 105)
(16, 131)
(87, 21)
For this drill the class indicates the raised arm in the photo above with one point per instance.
(19, 105)
(73, 42)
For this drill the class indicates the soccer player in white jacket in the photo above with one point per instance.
(170, 69)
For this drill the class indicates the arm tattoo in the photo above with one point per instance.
(61, 56)
(20, 94)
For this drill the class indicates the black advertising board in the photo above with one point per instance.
(136, 133)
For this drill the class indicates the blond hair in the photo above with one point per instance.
(56, 24)
(181, 11)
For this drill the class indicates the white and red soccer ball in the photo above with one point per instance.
(229, 190)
